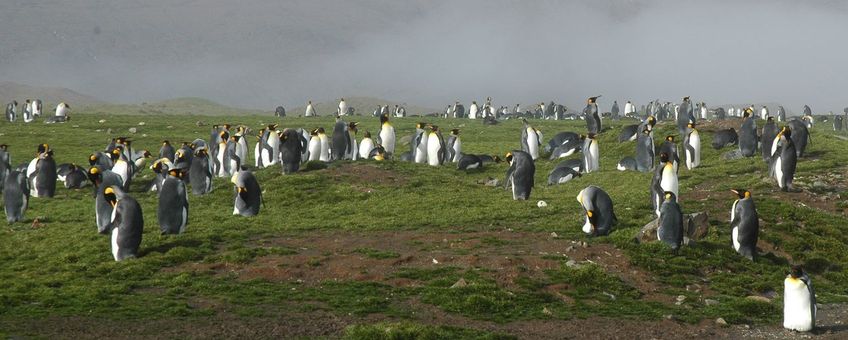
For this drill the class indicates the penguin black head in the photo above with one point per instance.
(180, 155)
(42, 148)
(582, 137)
(455, 132)
(225, 136)
(690, 125)
(200, 153)
(272, 127)
(227, 127)
(591, 136)
(663, 157)
(320, 130)
(420, 125)
(4, 147)
(178, 173)
(686, 99)
(741, 193)
(94, 175)
(433, 128)
(497, 159)
(669, 196)
(92, 159)
(235, 138)
(592, 100)
(116, 153)
(367, 134)
(670, 138)
(310, 102)
(508, 157)
(384, 118)
(166, 142)
(747, 112)
(110, 196)
(797, 272)
(353, 126)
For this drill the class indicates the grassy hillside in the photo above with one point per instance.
(371, 249)
(51, 96)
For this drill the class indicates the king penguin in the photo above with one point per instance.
(435, 147)
(454, 146)
(744, 224)
(748, 134)
(664, 180)
(248, 195)
(560, 175)
(102, 179)
(685, 116)
(75, 178)
(343, 108)
(167, 151)
(781, 114)
(591, 154)
(365, 145)
(418, 147)
(310, 110)
(530, 140)
(341, 141)
(386, 137)
(590, 113)
(799, 301)
(800, 135)
(43, 180)
(291, 149)
(600, 216)
(128, 221)
(568, 147)
(669, 146)
(520, 175)
(562, 138)
(5, 164)
(645, 151)
(15, 196)
(468, 162)
(784, 159)
(692, 146)
(353, 152)
(324, 144)
(273, 152)
(670, 223)
(200, 173)
(173, 203)
(62, 110)
(767, 138)
(11, 111)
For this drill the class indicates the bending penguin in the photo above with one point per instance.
(15, 196)
(365, 145)
(600, 216)
(248, 196)
(102, 179)
(744, 224)
(173, 203)
(127, 220)
(799, 301)
(520, 175)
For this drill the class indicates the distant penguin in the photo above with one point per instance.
(173, 203)
(12, 111)
(436, 152)
(167, 151)
(744, 224)
(800, 136)
(75, 178)
(784, 159)
(324, 144)
(248, 195)
(748, 134)
(102, 179)
(530, 140)
(767, 138)
(590, 113)
(520, 175)
(614, 109)
(353, 152)
(629, 109)
(365, 145)
(468, 162)
(799, 301)
(591, 154)
(722, 138)
(685, 115)
(15, 196)
(692, 147)
(310, 110)
(62, 110)
(562, 138)
(669, 146)
(807, 111)
(453, 147)
(670, 223)
(568, 147)
(386, 137)
(473, 110)
(764, 113)
(5, 164)
(343, 108)
(200, 173)
(341, 141)
(628, 133)
(128, 221)
(418, 147)
(561, 175)
(837, 123)
(27, 112)
(781, 114)
(43, 180)
(280, 112)
(600, 215)
(291, 150)
(37, 107)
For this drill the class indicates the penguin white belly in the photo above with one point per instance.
(115, 248)
(257, 155)
(220, 157)
(592, 158)
(365, 147)
(325, 149)
(121, 169)
(387, 136)
(774, 145)
(433, 148)
(778, 171)
(457, 150)
(274, 143)
(695, 143)
(314, 149)
(31, 167)
(587, 227)
(735, 237)
(733, 211)
(564, 179)
(532, 143)
(33, 191)
(185, 220)
(422, 151)
(233, 166)
(797, 313)
(473, 166)
(669, 181)
(61, 111)
(472, 113)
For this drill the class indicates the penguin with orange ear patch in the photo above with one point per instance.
(248, 194)
(173, 203)
(600, 216)
(128, 221)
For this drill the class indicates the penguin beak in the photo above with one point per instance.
(735, 192)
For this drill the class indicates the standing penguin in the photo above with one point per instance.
(530, 140)
(685, 115)
(43, 179)
(748, 134)
(15, 196)
(670, 148)
(341, 140)
(5, 164)
(781, 114)
(600, 216)
(352, 129)
(799, 301)
(102, 179)
(121, 167)
(11, 111)
(248, 196)
(800, 135)
(273, 151)
(670, 223)
(744, 224)
(520, 175)
(784, 159)
(314, 146)
(764, 113)
(767, 138)
(591, 154)
(418, 147)
(324, 144)
(260, 145)
(167, 151)
(664, 180)
(365, 145)
(435, 147)
(343, 108)
(386, 137)
(590, 113)
(128, 221)
(645, 151)
(62, 110)
(692, 146)
(173, 203)
(27, 112)
(291, 150)
(200, 173)
(454, 146)
(310, 110)
(614, 109)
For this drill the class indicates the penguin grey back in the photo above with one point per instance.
(748, 136)
(520, 174)
(248, 194)
(200, 173)
(291, 149)
(173, 206)
(670, 229)
(15, 196)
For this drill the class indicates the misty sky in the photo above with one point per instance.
(262, 53)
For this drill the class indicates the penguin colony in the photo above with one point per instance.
(225, 154)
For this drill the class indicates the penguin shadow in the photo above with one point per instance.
(166, 247)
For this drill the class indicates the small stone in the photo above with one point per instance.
(141, 123)
(101, 121)
(200, 123)
(819, 184)
(572, 264)
(133, 130)
(547, 311)
(569, 249)
(584, 244)
(459, 284)
(668, 317)
(542, 204)
(762, 299)
(492, 182)
(554, 235)
(680, 299)
(435, 261)
(169, 127)
(721, 322)
(710, 302)
(109, 131)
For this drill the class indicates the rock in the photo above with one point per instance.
(459, 284)
(819, 185)
(492, 182)
(762, 299)
(142, 123)
(710, 302)
(101, 121)
(200, 123)
(721, 322)
(109, 131)
(732, 155)
(435, 261)
(133, 130)
(547, 311)
(554, 235)
(542, 204)
(680, 299)
(569, 249)
(572, 264)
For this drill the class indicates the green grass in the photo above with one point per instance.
(64, 268)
